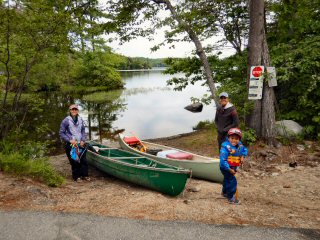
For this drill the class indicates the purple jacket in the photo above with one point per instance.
(70, 130)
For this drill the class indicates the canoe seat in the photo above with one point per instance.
(131, 140)
(180, 155)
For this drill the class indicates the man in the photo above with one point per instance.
(226, 117)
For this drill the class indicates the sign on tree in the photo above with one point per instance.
(256, 83)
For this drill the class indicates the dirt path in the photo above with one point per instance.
(272, 194)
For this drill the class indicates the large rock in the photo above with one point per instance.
(195, 107)
(288, 128)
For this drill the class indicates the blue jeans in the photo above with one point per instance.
(229, 185)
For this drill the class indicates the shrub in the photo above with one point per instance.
(17, 164)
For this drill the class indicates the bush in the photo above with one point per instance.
(39, 168)
(204, 125)
(249, 136)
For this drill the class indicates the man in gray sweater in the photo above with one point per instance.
(226, 117)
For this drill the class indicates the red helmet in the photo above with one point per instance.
(235, 131)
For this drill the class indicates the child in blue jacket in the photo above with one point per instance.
(232, 154)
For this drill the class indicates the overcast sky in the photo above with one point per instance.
(140, 47)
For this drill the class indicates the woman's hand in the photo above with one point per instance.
(233, 172)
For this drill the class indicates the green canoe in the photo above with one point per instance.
(137, 169)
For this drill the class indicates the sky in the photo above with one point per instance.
(140, 47)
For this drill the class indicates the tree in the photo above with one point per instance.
(30, 28)
(262, 119)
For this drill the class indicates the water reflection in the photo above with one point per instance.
(147, 107)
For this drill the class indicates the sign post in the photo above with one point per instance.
(272, 77)
(256, 82)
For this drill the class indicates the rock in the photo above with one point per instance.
(293, 164)
(286, 186)
(194, 189)
(274, 174)
(195, 107)
(290, 215)
(288, 128)
(186, 201)
(301, 147)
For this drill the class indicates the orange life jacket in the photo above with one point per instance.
(234, 161)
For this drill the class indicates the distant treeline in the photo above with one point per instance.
(141, 63)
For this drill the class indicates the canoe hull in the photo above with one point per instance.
(168, 181)
(202, 167)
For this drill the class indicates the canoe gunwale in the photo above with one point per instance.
(202, 159)
(177, 170)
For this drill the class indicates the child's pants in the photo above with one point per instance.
(229, 186)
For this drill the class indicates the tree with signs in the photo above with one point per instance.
(262, 119)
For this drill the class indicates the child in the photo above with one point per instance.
(232, 154)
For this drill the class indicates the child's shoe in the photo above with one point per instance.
(78, 180)
(234, 201)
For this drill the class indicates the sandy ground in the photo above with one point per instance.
(272, 193)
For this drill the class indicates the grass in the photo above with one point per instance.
(39, 169)
(203, 141)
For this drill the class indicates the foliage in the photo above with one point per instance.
(249, 136)
(39, 168)
(204, 125)
(295, 49)
(27, 158)
(96, 69)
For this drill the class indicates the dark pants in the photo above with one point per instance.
(229, 186)
(79, 169)
(221, 138)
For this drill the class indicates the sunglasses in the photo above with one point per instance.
(223, 98)
(75, 109)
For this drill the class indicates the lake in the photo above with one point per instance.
(147, 108)
(155, 110)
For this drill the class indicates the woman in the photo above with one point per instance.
(72, 132)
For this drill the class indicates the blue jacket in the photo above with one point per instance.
(225, 152)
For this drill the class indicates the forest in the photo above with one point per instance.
(63, 46)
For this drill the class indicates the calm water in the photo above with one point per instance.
(155, 110)
(147, 108)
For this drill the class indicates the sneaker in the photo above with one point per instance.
(87, 179)
(234, 201)
(79, 180)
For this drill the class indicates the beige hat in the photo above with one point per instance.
(73, 106)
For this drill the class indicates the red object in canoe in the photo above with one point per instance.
(179, 155)
(131, 140)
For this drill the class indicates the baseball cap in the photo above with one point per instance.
(73, 106)
(223, 94)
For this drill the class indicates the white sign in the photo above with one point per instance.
(256, 83)
(272, 77)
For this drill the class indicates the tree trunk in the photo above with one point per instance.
(262, 119)
(199, 49)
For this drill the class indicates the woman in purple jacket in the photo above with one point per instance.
(72, 132)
